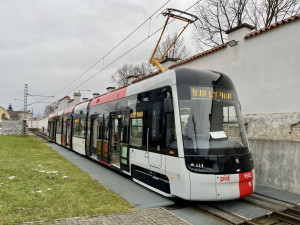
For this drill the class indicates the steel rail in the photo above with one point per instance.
(275, 198)
(276, 203)
(280, 215)
(232, 214)
(213, 215)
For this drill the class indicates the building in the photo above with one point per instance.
(4, 115)
(66, 102)
(19, 115)
(264, 66)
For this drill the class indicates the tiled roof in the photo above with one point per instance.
(15, 113)
(272, 26)
(66, 97)
(199, 55)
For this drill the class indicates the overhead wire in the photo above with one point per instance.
(80, 76)
(103, 57)
(128, 51)
(39, 101)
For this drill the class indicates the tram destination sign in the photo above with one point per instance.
(206, 92)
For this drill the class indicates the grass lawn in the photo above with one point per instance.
(38, 184)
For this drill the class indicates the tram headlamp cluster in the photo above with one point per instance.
(197, 165)
(201, 165)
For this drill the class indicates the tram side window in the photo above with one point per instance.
(106, 128)
(136, 134)
(156, 121)
(79, 128)
(100, 128)
(171, 140)
(64, 126)
(125, 126)
(88, 128)
(58, 125)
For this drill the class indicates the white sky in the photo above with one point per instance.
(48, 43)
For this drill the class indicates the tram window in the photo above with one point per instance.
(156, 121)
(106, 128)
(64, 126)
(136, 135)
(79, 127)
(229, 114)
(58, 131)
(100, 128)
(88, 128)
(171, 140)
(125, 126)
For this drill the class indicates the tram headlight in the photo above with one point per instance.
(202, 165)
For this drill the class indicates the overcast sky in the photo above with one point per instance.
(49, 43)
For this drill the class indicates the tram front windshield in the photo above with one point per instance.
(211, 122)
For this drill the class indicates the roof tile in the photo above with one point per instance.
(198, 55)
(274, 25)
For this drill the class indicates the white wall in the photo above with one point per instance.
(265, 69)
(40, 124)
(43, 124)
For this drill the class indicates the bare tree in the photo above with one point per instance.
(177, 51)
(271, 11)
(217, 16)
(50, 108)
(120, 78)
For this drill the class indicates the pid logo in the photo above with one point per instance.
(247, 175)
(224, 178)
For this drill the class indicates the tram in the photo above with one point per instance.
(179, 134)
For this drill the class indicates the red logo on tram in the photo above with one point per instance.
(225, 178)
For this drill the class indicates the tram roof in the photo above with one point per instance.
(81, 106)
(69, 110)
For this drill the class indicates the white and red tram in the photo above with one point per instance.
(180, 134)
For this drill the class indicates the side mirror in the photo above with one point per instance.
(168, 104)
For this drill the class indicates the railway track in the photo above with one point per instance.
(39, 134)
(256, 209)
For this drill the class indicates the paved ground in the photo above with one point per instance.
(278, 194)
(149, 203)
(135, 194)
(143, 217)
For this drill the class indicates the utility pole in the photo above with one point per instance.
(25, 108)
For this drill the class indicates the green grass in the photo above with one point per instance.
(46, 186)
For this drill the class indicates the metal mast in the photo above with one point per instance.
(25, 108)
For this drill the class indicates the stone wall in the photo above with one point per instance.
(12, 127)
(277, 163)
(273, 126)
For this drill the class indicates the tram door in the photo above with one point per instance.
(68, 133)
(54, 130)
(155, 134)
(119, 138)
(94, 136)
(50, 130)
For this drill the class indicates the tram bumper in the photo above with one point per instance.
(210, 187)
